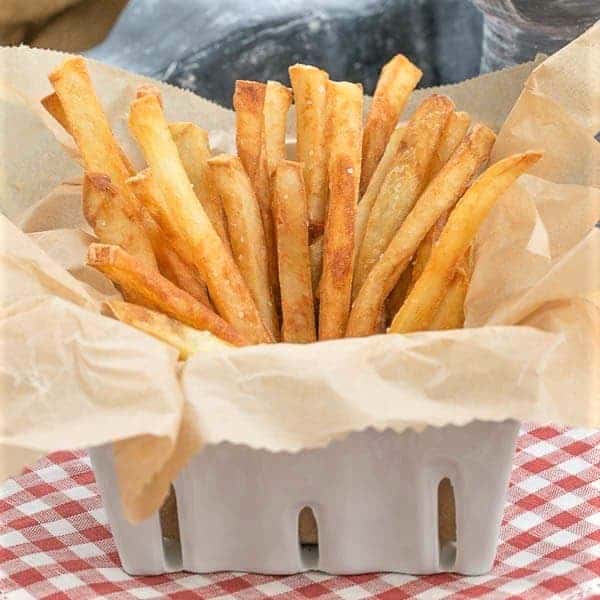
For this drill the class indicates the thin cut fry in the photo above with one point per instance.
(187, 340)
(310, 97)
(397, 80)
(249, 103)
(194, 151)
(246, 233)
(291, 220)
(91, 130)
(111, 225)
(455, 130)
(421, 304)
(149, 288)
(226, 286)
(344, 137)
(404, 182)
(439, 196)
(451, 314)
(367, 200)
(175, 259)
(278, 99)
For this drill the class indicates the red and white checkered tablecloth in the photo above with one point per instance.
(55, 541)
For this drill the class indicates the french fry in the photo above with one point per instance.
(149, 288)
(424, 250)
(278, 99)
(453, 134)
(187, 340)
(450, 313)
(403, 184)
(399, 293)
(194, 151)
(175, 260)
(246, 233)
(310, 97)
(421, 304)
(249, 103)
(227, 288)
(440, 195)
(91, 130)
(344, 138)
(111, 225)
(397, 80)
(52, 104)
(367, 200)
(290, 213)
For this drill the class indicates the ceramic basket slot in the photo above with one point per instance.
(374, 496)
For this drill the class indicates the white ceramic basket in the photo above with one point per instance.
(374, 496)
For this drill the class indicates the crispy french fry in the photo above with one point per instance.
(194, 151)
(111, 225)
(421, 304)
(290, 213)
(450, 313)
(455, 130)
(249, 102)
(344, 138)
(397, 80)
(246, 233)
(278, 99)
(187, 340)
(403, 184)
(149, 288)
(310, 97)
(226, 286)
(367, 200)
(440, 195)
(52, 104)
(91, 130)
(175, 259)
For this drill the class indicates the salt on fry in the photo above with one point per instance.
(246, 233)
(194, 151)
(227, 288)
(422, 302)
(310, 98)
(149, 288)
(187, 340)
(440, 195)
(344, 139)
(290, 213)
(397, 80)
(404, 182)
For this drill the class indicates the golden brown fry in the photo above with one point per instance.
(403, 184)
(421, 304)
(101, 208)
(91, 130)
(344, 138)
(149, 288)
(455, 130)
(190, 223)
(290, 213)
(187, 340)
(248, 103)
(246, 233)
(397, 80)
(450, 313)
(424, 251)
(439, 196)
(310, 97)
(52, 104)
(194, 151)
(367, 200)
(278, 99)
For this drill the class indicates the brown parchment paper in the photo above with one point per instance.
(72, 377)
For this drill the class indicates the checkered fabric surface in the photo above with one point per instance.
(55, 541)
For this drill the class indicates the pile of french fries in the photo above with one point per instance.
(369, 229)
